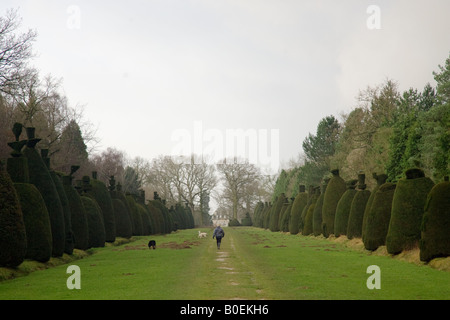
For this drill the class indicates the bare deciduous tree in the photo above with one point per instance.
(239, 178)
(15, 50)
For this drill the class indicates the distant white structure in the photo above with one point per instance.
(220, 220)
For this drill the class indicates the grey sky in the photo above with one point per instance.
(147, 69)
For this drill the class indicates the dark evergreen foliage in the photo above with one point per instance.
(309, 216)
(357, 208)
(13, 241)
(335, 189)
(378, 217)
(296, 211)
(435, 240)
(275, 214)
(95, 222)
(101, 194)
(40, 177)
(343, 209)
(407, 211)
(78, 216)
(381, 179)
(317, 214)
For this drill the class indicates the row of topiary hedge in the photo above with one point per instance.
(412, 212)
(43, 214)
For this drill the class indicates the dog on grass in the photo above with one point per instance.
(152, 244)
(202, 234)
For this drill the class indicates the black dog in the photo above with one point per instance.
(152, 244)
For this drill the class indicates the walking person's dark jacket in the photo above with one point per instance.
(218, 232)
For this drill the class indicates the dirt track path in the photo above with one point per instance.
(236, 278)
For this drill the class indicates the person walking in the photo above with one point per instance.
(218, 234)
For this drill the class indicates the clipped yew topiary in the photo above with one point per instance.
(435, 235)
(343, 209)
(317, 214)
(35, 214)
(156, 216)
(259, 208)
(355, 219)
(41, 178)
(309, 216)
(381, 179)
(378, 217)
(305, 209)
(275, 214)
(95, 222)
(145, 217)
(266, 216)
(167, 220)
(335, 189)
(122, 216)
(284, 226)
(13, 241)
(17, 165)
(101, 194)
(69, 240)
(37, 222)
(78, 217)
(296, 211)
(97, 235)
(138, 229)
(407, 211)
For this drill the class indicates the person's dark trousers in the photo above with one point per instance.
(219, 240)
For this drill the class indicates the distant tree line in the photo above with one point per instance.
(388, 132)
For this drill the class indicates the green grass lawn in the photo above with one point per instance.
(252, 264)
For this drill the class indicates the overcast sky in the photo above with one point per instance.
(151, 73)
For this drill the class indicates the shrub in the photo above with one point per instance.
(357, 208)
(40, 177)
(157, 218)
(69, 242)
(275, 214)
(95, 222)
(167, 223)
(18, 169)
(317, 214)
(335, 189)
(257, 215)
(377, 220)
(37, 222)
(284, 223)
(407, 211)
(435, 240)
(13, 241)
(122, 219)
(35, 214)
(247, 221)
(137, 219)
(381, 179)
(266, 215)
(343, 209)
(123, 213)
(234, 223)
(145, 217)
(296, 211)
(78, 216)
(308, 220)
(101, 194)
